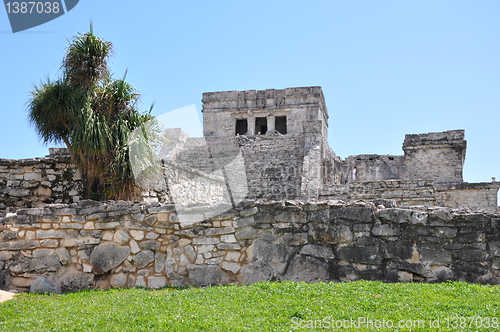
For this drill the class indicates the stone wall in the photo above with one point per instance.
(38, 181)
(481, 195)
(435, 156)
(124, 244)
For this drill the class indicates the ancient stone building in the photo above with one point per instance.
(269, 145)
(260, 197)
(281, 137)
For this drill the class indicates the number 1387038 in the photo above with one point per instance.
(32, 7)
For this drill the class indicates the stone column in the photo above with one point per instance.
(251, 125)
(270, 123)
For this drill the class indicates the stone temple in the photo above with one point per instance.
(268, 145)
(281, 137)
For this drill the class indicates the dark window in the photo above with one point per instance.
(241, 126)
(260, 126)
(280, 124)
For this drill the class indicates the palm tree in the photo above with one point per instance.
(93, 115)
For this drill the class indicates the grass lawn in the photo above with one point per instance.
(267, 306)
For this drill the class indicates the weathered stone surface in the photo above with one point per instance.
(246, 233)
(40, 265)
(435, 255)
(44, 285)
(330, 233)
(108, 256)
(149, 245)
(51, 234)
(270, 254)
(308, 269)
(143, 258)
(6, 236)
(244, 222)
(385, 230)
(72, 280)
(206, 275)
(249, 212)
(365, 255)
(157, 282)
(19, 245)
(317, 251)
(121, 237)
(250, 274)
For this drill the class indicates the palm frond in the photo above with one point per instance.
(85, 62)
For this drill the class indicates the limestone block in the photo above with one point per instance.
(249, 212)
(72, 280)
(7, 236)
(150, 245)
(64, 256)
(308, 269)
(206, 275)
(43, 191)
(190, 253)
(134, 247)
(19, 245)
(472, 255)
(385, 230)
(140, 281)
(108, 256)
(399, 250)
(317, 251)
(330, 233)
(118, 280)
(107, 225)
(152, 236)
(40, 265)
(17, 192)
(364, 255)
(143, 258)
(42, 252)
(121, 237)
(246, 233)
(160, 261)
(268, 253)
(89, 225)
(219, 231)
(231, 266)
(244, 222)
(205, 240)
(442, 273)
(228, 238)
(50, 234)
(214, 260)
(250, 274)
(71, 226)
(228, 246)
(21, 282)
(137, 235)
(157, 282)
(75, 242)
(44, 285)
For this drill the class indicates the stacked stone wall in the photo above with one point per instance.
(273, 173)
(123, 244)
(38, 181)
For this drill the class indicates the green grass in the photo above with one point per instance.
(267, 306)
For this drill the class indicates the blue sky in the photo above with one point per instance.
(387, 68)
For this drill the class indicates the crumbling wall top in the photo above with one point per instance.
(446, 138)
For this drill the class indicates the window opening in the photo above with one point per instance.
(241, 126)
(261, 126)
(280, 124)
